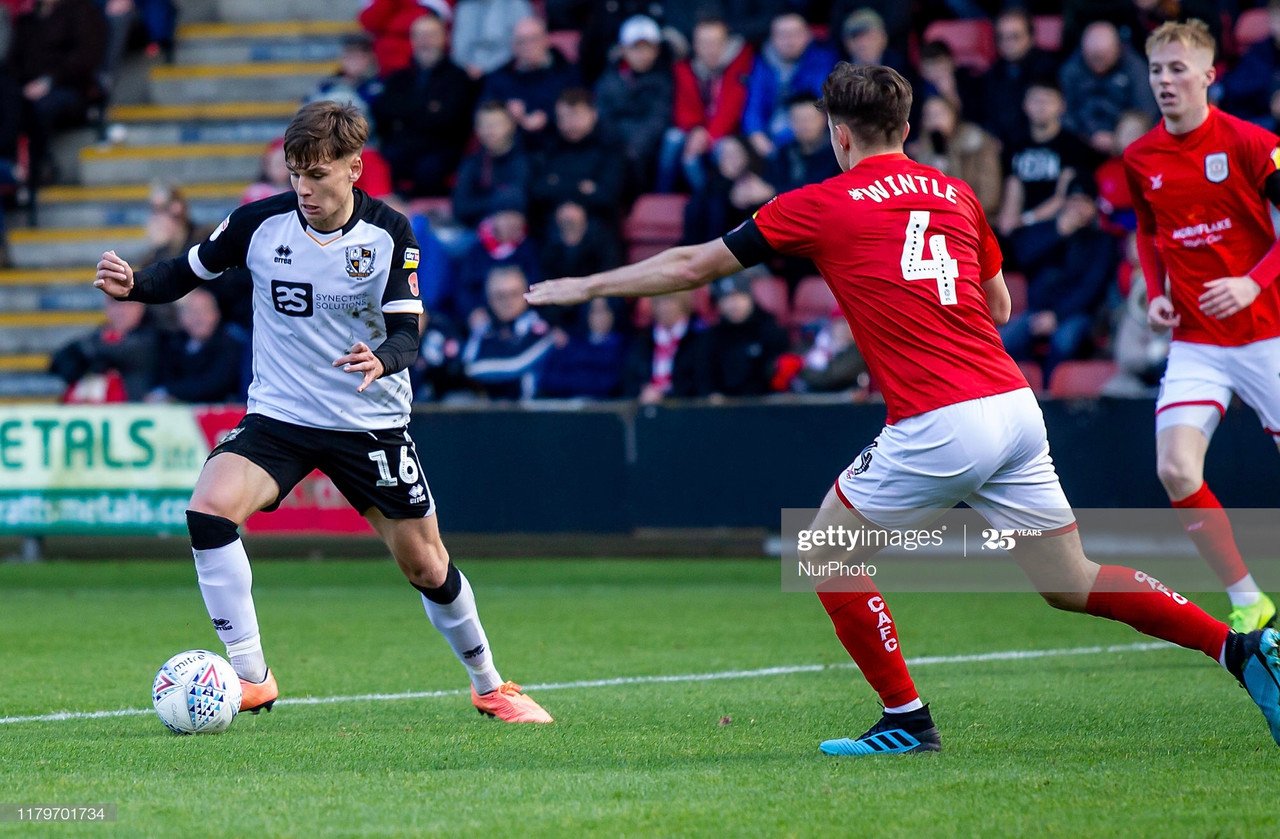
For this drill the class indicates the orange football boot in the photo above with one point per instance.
(257, 696)
(508, 704)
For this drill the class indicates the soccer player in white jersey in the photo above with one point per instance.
(335, 293)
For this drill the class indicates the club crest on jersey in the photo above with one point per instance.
(1215, 167)
(360, 261)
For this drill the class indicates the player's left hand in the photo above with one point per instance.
(566, 292)
(1225, 296)
(361, 360)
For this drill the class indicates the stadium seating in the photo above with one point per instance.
(1080, 379)
(1251, 27)
(1017, 285)
(1035, 376)
(1048, 32)
(813, 301)
(656, 222)
(567, 41)
(771, 294)
(973, 42)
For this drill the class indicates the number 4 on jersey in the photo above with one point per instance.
(941, 267)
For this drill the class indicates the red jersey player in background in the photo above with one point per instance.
(1201, 182)
(916, 270)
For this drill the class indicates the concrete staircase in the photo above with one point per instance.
(241, 67)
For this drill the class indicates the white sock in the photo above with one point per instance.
(459, 623)
(913, 705)
(226, 583)
(1244, 591)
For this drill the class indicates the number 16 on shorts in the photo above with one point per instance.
(408, 470)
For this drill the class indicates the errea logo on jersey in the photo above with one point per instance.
(292, 299)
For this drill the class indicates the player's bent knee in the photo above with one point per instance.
(442, 587)
(427, 565)
(209, 531)
(1180, 475)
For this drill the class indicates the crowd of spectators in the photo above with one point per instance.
(517, 136)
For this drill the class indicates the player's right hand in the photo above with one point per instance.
(115, 277)
(1161, 315)
(567, 292)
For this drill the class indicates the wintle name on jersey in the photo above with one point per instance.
(896, 186)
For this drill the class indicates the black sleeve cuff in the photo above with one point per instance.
(748, 245)
(164, 282)
(401, 347)
(1271, 188)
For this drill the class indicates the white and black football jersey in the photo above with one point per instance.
(315, 295)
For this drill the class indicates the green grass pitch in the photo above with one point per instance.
(1135, 743)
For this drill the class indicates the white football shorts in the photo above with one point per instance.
(991, 453)
(1200, 378)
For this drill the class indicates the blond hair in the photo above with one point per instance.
(323, 132)
(1193, 34)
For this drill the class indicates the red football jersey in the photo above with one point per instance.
(1201, 195)
(905, 250)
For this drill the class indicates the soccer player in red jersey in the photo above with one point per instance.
(916, 270)
(1201, 182)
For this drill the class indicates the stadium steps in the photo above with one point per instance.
(69, 297)
(28, 333)
(128, 205)
(230, 43)
(46, 277)
(52, 247)
(190, 163)
(24, 362)
(217, 122)
(249, 11)
(252, 81)
(201, 123)
(27, 374)
(30, 387)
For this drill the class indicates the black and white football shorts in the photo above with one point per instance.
(370, 468)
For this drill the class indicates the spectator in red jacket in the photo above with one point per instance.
(388, 21)
(710, 95)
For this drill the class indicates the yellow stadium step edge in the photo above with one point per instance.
(39, 320)
(29, 400)
(136, 192)
(267, 30)
(55, 235)
(202, 111)
(24, 363)
(91, 153)
(182, 72)
(47, 276)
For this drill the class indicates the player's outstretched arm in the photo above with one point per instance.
(163, 282)
(999, 303)
(675, 269)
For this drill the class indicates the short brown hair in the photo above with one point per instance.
(872, 100)
(1193, 34)
(322, 132)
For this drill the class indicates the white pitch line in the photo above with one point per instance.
(764, 672)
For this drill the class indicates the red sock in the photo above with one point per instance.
(1143, 602)
(865, 627)
(1208, 526)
